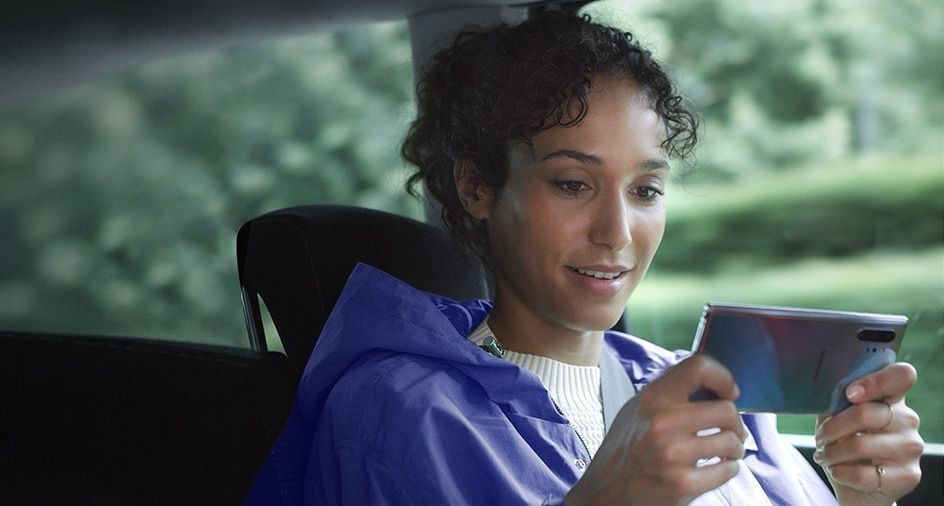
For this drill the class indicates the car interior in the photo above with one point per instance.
(102, 419)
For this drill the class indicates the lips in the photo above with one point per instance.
(604, 272)
(607, 275)
(602, 280)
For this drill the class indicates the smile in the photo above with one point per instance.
(599, 274)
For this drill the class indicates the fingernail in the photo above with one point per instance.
(855, 392)
(818, 455)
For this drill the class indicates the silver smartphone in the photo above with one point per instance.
(792, 360)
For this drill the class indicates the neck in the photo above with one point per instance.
(523, 332)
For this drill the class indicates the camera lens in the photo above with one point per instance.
(877, 336)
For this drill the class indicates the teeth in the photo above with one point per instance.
(599, 275)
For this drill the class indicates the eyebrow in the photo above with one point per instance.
(652, 165)
(587, 158)
(580, 156)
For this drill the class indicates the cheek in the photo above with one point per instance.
(557, 230)
(508, 225)
(649, 230)
(524, 221)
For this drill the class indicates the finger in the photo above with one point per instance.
(688, 453)
(895, 480)
(725, 445)
(695, 481)
(890, 383)
(681, 436)
(862, 477)
(695, 373)
(724, 417)
(865, 447)
(698, 448)
(691, 419)
(866, 417)
(717, 474)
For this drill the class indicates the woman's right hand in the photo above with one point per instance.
(652, 451)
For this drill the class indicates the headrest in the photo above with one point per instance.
(298, 260)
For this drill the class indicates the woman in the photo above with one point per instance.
(548, 146)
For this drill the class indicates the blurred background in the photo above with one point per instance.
(819, 180)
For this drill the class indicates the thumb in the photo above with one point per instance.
(697, 377)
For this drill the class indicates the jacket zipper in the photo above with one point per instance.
(574, 428)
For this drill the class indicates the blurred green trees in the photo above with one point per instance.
(119, 200)
(822, 152)
(781, 84)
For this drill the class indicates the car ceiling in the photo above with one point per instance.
(46, 46)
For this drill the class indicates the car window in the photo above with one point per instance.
(819, 180)
(120, 198)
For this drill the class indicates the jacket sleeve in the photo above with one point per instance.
(402, 432)
(356, 476)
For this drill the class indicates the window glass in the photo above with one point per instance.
(120, 198)
(818, 181)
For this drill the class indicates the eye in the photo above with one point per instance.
(648, 193)
(571, 188)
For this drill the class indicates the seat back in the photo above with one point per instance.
(298, 259)
(109, 420)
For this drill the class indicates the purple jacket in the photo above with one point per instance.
(396, 406)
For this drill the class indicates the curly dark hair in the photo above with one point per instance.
(505, 84)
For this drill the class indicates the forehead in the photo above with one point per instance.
(618, 112)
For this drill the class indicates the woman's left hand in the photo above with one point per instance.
(871, 451)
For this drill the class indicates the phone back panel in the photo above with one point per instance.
(791, 360)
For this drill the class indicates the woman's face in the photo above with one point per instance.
(579, 219)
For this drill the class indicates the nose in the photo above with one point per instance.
(612, 224)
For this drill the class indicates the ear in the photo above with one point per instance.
(474, 195)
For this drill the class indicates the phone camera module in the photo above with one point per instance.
(877, 336)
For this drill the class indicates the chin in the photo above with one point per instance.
(597, 322)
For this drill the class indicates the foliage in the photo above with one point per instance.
(833, 211)
(781, 84)
(819, 180)
(119, 201)
(865, 236)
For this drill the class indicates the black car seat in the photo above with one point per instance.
(108, 420)
(298, 259)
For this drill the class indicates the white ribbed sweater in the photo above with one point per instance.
(575, 389)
